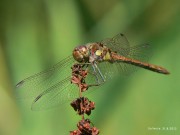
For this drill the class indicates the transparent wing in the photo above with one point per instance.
(107, 69)
(55, 95)
(120, 44)
(32, 86)
(61, 93)
(141, 52)
(51, 87)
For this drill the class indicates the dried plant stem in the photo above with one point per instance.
(82, 105)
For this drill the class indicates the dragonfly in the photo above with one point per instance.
(104, 60)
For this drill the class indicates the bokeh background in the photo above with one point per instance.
(35, 34)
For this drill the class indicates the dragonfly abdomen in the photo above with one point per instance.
(155, 68)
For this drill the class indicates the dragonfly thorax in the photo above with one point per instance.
(92, 52)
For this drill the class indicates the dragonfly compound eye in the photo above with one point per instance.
(81, 54)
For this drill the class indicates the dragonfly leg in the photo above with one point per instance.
(96, 71)
(102, 77)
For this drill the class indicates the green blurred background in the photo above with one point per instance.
(35, 34)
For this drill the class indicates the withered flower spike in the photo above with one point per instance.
(78, 77)
(84, 126)
(83, 105)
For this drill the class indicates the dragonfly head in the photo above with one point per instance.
(81, 54)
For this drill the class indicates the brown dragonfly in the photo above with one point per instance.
(103, 60)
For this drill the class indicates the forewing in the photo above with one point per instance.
(32, 86)
(118, 43)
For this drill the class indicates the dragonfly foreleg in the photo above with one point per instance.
(96, 72)
(102, 77)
